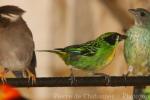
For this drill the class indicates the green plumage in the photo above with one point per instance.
(89, 56)
(92, 55)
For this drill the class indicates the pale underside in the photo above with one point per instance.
(137, 50)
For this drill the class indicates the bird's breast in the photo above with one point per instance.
(137, 48)
(16, 48)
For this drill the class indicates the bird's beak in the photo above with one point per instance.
(132, 11)
(122, 37)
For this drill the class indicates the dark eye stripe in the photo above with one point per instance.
(142, 14)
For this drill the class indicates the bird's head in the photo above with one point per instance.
(10, 13)
(113, 37)
(141, 16)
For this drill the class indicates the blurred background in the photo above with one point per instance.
(59, 23)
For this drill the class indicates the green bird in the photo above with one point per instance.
(92, 55)
(137, 47)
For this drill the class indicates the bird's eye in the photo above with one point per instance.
(142, 14)
(113, 37)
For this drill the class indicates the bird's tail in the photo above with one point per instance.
(59, 52)
(140, 93)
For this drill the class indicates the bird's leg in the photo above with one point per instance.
(31, 76)
(107, 77)
(72, 77)
(2, 75)
(130, 69)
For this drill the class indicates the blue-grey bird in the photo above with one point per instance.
(16, 44)
(137, 46)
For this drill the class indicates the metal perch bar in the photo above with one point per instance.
(80, 81)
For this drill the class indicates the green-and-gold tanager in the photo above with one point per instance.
(92, 55)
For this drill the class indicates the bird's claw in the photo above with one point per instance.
(3, 78)
(107, 77)
(32, 78)
(130, 70)
(72, 79)
(125, 76)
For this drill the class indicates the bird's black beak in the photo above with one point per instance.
(122, 37)
(132, 11)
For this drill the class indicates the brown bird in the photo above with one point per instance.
(16, 44)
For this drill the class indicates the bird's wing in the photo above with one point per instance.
(85, 49)
(33, 64)
(31, 67)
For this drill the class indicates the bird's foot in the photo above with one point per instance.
(72, 79)
(125, 76)
(130, 69)
(107, 77)
(31, 77)
(3, 77)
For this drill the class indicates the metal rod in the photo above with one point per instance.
(80, 81)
